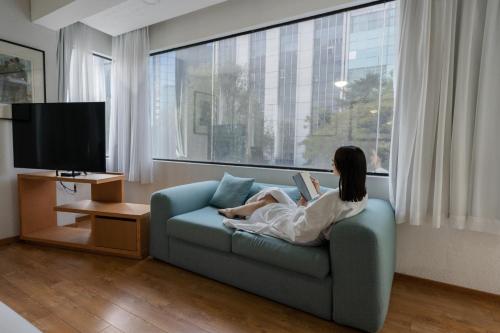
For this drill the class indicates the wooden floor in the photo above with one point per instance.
(65, 291)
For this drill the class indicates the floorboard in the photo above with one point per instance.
(65, 291)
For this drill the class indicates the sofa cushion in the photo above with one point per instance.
(203, 227)
(309, 260)
(232, 191)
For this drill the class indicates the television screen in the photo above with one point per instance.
(59, 136)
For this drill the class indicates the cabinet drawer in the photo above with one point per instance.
(115, 233)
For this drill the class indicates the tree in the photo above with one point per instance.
(355, 123)
(238, 132)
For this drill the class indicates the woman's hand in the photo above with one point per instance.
(302, 201)
(315, 183)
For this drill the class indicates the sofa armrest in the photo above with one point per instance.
(362, 251)
(171, 202)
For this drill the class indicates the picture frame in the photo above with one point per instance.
(202, 117)
(22, 75)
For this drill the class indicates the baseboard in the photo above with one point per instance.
(10, 240)
(447, 286)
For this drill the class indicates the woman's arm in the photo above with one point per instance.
(302, 201)
(315, 182)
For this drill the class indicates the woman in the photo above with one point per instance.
(272, 212)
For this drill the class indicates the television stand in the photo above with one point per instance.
(107, 225)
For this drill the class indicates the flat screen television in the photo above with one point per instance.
(59, 136)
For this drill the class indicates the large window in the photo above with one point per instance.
(285, 96)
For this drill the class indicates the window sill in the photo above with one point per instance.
(257, 166)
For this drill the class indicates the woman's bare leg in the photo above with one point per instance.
(248, 209)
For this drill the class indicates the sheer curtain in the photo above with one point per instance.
(99, 79)
(169, 125)
(130, 125)
(75, 64)
(180, 121)
(444, 158)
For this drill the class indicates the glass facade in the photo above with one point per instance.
(285, 96)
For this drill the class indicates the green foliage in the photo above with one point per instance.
(355, 123)
(238, 133)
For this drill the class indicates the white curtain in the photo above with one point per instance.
(130, 125)
(445, 160)
(168, 114)
(180, 122)
(75, 63)
(99, 79)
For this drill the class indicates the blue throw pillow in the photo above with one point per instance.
(232, 191)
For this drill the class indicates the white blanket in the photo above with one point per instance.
(307, 225)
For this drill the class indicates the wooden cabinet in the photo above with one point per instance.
(115, 227)
(115, 233)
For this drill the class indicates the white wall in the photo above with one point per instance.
(167, 174)
(235, 16)
(101, 42)
(464, 258)
(42, 8)
(15, 26)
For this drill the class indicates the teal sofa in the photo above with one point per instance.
(347, 280)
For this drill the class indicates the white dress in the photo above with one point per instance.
(307, 225)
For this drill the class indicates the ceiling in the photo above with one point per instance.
(116, 17)
(135, 14)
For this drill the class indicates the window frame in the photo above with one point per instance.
(250, 31)
(95, 54)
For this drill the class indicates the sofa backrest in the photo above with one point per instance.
(291, 190)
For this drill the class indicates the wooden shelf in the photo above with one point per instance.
(112, 226)
(74, 238)
(91, 178)
(111, 209)
(62, 235)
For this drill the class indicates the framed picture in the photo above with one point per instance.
(22, 74)
(202, 112)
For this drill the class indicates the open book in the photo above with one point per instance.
(305, 185)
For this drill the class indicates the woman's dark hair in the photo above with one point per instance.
(350, 162)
